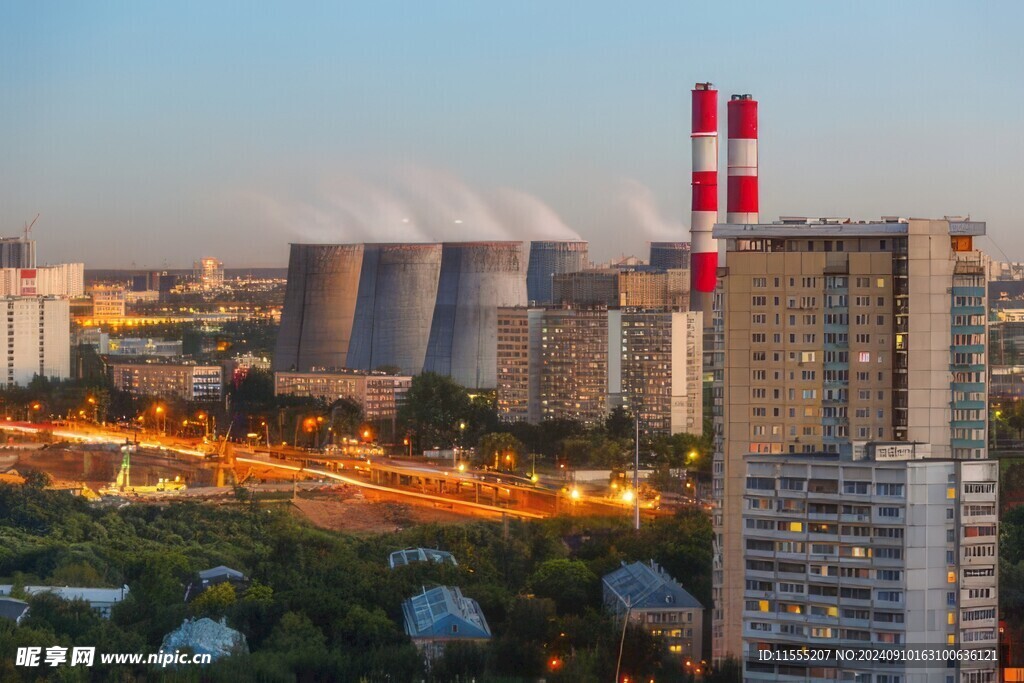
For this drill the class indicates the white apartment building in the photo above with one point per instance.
(36, 339)
(892, 550)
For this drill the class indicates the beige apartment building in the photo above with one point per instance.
(831, 334)
(380, 395)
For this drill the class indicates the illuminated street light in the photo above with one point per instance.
(574, 494)
(627, 496)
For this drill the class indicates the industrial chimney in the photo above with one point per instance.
(741, 204)
(704, 209)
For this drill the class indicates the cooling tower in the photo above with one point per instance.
(319, 306)
(548, 259)
(395, 306)
(476, 278)
(670, 255)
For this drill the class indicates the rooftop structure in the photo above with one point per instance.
(401, 558)
(100, 599)
(13, 609)
(442, 614)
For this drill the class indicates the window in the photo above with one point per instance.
(895, 490)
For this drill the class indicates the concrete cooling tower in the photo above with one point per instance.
(319, 305)
(476, 278)
(395, 306)
(666, 255)
(550, 258)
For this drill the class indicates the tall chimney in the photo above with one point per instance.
(704, 209)
(741, 205)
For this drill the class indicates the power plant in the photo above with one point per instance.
(395, 306)
(420, 307)
(704, 184)
(550, 258)
(670, 255)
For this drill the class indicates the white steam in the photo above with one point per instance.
(411, 204)
(641, 214)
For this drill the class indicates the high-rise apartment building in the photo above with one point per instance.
(17, 252)
(38, 339)
(892, 550)
(829, 334)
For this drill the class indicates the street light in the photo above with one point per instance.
(161, 419)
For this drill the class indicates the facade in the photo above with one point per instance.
(659, 375)
(17, 252)
(574, 364)
(670, 255)
(420, 307)
(643, 288)
(547, 259)
(38, 339)
(513, 356)
(442, 615)
(646, 595)
(586, 288)
(66, 279)
(828, 333)
(888, 549)
(380, 395)
(108, 303)
(188, 381)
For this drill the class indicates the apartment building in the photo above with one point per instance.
(828, 334)
(380, 395)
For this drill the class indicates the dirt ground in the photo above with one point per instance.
(352, 511)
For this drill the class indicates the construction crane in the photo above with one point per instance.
(29, 226)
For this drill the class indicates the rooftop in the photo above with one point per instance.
(799, 226)
(13, 609)
(444, 611)
(646, 586)
(400, 558)
(90, 595)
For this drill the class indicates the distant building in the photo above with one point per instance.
(108, 303)
(643, 289)
(209, 273)
(657, 374)
(189, 381)
(442, 615)
(401, 558)
(586, 288)
(66, 279)
(514, 367)
(212, 577)
(17, 252)
(100, 599)
(654, 600)
(13, 609)
(670, 255)
(548, 258)
(574, 364)
(380, 395)
(38, 339)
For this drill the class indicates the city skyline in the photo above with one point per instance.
(144, 132)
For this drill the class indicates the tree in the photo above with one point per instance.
(433, 410)
(215, 600)
(569, 583)
(620, 424)
(501, 450)
(346, 416)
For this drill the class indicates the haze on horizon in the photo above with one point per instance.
(149, 135)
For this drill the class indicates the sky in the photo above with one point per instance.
(151, 134)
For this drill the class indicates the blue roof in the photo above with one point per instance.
(647, 586)
(444, 612)
(400, 558)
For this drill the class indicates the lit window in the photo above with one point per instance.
(951, 577)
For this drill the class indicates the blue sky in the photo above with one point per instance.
(156, 133)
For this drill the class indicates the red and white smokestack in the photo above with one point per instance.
(704, 209)
(741, 203)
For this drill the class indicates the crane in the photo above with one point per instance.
(29, 226)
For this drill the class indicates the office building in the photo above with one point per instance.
(380, 395)
(646, 595)
(887, 548)
(38, 339)
(209, 273)
(188, 381)
(830, 333)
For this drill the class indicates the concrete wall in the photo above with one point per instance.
(476, 278)
(319, 306)
(395, 306)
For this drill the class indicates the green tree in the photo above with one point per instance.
(569, 583)
(346, 417)
(215, 600)
(296, 632)
(494, 450)
(433, 410)
(620, 424)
